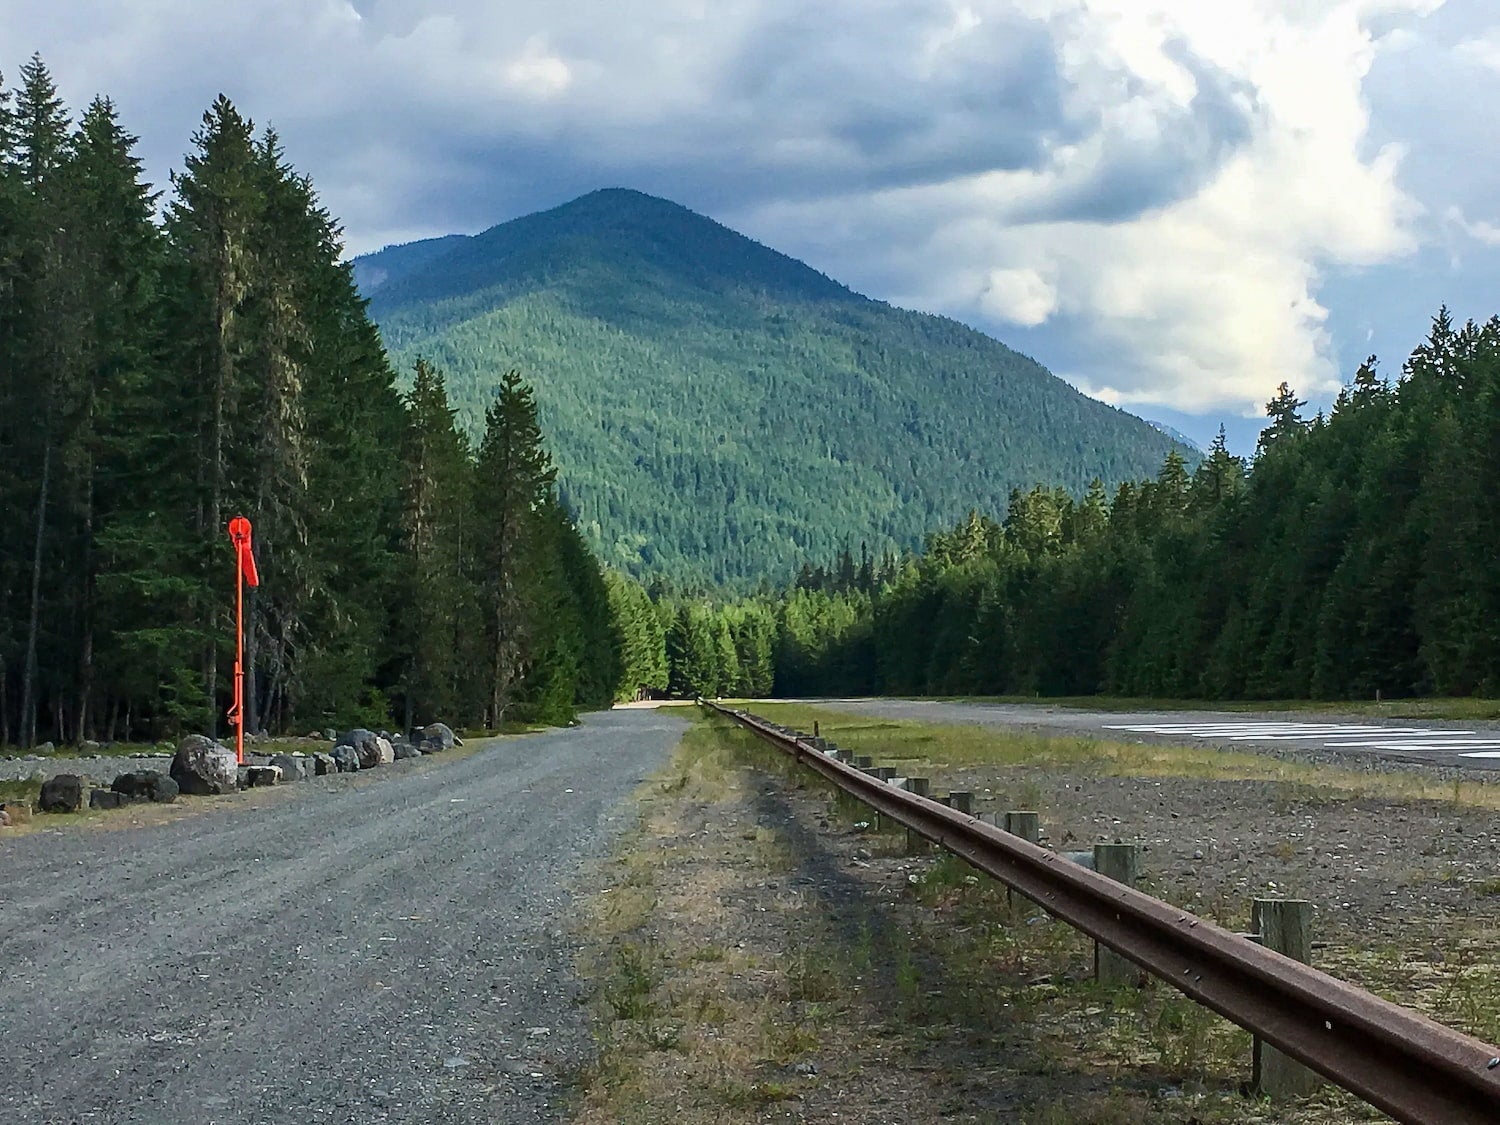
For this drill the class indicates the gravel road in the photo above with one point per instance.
(386, 948)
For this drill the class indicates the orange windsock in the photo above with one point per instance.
(239, 531)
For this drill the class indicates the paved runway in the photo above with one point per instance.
(1469, 745)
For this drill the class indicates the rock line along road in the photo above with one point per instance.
(391, 948)
(1465, 745)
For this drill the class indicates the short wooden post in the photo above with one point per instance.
(1028, 826)
(1284, 925)
(863, 761)
(916, 843)
(816, 731)
(961, 801)
(1122, 863)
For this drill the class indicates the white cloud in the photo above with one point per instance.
(1484, 50)
(538, 72)
(1477, 229)
(1168, 182)
(1020, 296)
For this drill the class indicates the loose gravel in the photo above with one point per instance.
(382, 947)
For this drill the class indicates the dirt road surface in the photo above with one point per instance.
(385, 948)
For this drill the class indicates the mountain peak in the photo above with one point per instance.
(620, 231)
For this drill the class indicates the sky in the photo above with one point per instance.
(1173, 204)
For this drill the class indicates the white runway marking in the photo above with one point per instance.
(1333, 736)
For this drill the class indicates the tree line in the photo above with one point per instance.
(1353, 555)
(171, 360)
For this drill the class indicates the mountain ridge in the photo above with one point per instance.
(721, 411)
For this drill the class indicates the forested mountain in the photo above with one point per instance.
(1355, 556)
(165, 368)
(719, 411)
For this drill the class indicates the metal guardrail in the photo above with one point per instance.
(1418, 1071)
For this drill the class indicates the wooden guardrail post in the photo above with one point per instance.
(1284, 925)
(1027, 825)
(960, 801)
(1122, 863)
(916, 843)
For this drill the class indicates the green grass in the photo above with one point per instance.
(930, 748)
(20, 791)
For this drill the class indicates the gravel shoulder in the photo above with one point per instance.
(383, 948)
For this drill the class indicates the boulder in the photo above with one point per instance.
(346, 758)
(440, 735)
(63, 793)
(4, 817)
(203, 768)
(384, 751)
(105, 799)
(89, 746)
(146, 785)
(294, 767)
(44, 748)
(258, 777)
(324, 764)
(362, 741)
(404, 750)
(330, 735)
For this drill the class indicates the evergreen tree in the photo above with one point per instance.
(514, 476)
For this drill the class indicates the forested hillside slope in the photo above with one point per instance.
(719, 411)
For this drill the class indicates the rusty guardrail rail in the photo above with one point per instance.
(1415, 1069)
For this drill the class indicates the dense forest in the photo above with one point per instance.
(719, 411)
(169, 362)
(1355, 555)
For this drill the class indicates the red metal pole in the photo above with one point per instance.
(239, 659)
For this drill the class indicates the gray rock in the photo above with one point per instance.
(363, 743)
(324, 764)
(146, 785)
(346, 758)
(62, 794)
(258, 777)
(441, 734)
(404, 750)
(330, 735)
(44, 748)
(105, 799)
(384, 751)
(294, 767)
(203, 768)
(89, 746)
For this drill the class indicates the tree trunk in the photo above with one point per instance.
(86, 615)
(28, 675)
